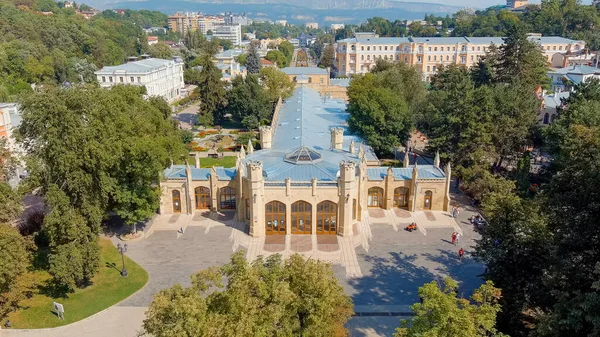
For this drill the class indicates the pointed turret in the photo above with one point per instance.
(242, 154)
(250, 147)
(352, 146)
(406, 158)
(436, 160)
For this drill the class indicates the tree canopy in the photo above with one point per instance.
(95, 151)
(443, 314)
(382, 104)
(268, 297)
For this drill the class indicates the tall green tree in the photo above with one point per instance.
(104, 151)
(443, 314)
(161, 50)
(277, 57)
(248, 102)
(276, 83)
(269, 297)
(16, 281)
(522, 60)
(211, 91)
(378, 114)
(327, 57)
(253, 60)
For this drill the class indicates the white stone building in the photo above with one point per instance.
(232, 33)
(160, 77)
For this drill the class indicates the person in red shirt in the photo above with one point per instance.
(461, 253)
(453, 238)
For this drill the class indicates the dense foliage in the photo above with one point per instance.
(269, 297)
(443, 314)
(16, 280)
(94, 151)
(382, 104)
(64, 47)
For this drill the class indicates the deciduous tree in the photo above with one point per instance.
(443, 314)
(276, 83)
(269, 297)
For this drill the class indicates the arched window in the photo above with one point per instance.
(176, 198)
(301, 217)
(275, 217)
(401, 197)
(375, 198)
(546, 118)
(428, 197)
(227, 198)
(202, 197)
(327, 217)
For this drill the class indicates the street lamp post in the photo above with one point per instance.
(122, 251)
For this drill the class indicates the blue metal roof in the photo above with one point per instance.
(405, 173)
(141, 66)
(342, 82)
(305, 71)
(305, 120)
(199, 174)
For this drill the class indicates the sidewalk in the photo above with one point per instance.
(115, 321)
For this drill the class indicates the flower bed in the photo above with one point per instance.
(205, 133)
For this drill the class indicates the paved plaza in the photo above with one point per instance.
(381, 267)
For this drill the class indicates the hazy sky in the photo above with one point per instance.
(476, 3)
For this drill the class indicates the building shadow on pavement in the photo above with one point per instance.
(468, 272)
(392, 280)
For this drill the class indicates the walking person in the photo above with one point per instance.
(458, 236)
(453, 212)
(415, 157)
(454, 238)
(461, 253)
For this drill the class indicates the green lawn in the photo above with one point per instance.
(108, 288)
(226, 162)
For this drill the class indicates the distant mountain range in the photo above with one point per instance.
(295, 11)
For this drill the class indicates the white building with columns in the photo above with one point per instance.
(162, 78)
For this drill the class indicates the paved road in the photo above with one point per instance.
(393, 268)
(187, 117)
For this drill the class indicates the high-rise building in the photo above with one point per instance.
(237, 19)
(232, 33)
(182, 22)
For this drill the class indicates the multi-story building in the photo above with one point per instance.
(516, 3)
(281, 22)
(232, 33)
(563, 79)
(336, 26)
(312, 25)
(307, 178)
(182, 22)
(358, 55)
(10, 118)
(162, 78)
(237, 19)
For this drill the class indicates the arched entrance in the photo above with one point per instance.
(176, 197)
(428, 196)
(401, 197)
(375, 198)
(301, 217)
(202, 197)
(227, 198)
(275, 217)
(327, 217)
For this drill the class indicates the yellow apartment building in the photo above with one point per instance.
(358, 55)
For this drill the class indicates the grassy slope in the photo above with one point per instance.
(108, 288)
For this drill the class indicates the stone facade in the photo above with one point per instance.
(271, 203)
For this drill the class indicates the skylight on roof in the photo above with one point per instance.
(303, 155)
